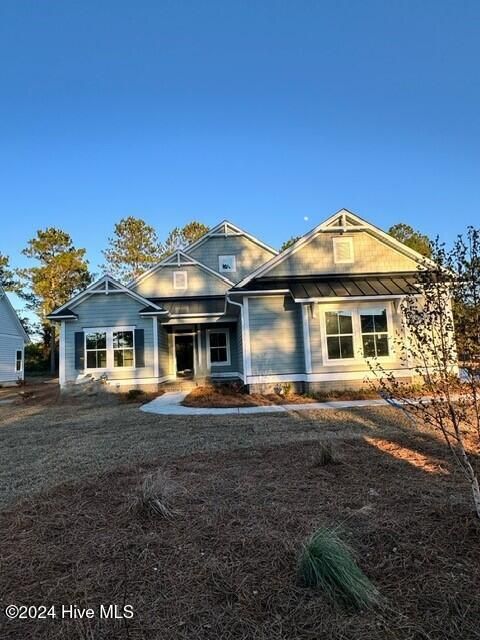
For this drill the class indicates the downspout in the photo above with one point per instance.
(239, 304)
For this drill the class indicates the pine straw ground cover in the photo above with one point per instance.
(225, 566)
(227, 396)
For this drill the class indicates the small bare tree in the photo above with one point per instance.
(441, 345)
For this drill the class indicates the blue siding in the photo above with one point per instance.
(249, 255)
(276, 336)
(113, 310)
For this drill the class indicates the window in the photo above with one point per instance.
(96, 350)
(19, 360)
(343, 250)
(227, 263)
(109, 347)
(179, 279)
(339, 330)
(219, 352)
(374, 327)
(123, 349)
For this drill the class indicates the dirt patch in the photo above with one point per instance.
(225, 565)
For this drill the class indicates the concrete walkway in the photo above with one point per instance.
(170, 405)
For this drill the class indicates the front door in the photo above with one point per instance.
(184, 356)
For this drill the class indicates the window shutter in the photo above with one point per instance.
(79, 350)
(139, 348)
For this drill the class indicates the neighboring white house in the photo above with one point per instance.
(12, 343)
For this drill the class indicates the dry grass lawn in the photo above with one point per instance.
(248, 491)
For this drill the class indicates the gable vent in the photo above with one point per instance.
(343, 250)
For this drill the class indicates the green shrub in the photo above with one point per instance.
(327, 563)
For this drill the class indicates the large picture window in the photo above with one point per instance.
(218, 345)
(123, 348)
(96, 350)
(110, 347)
(374, 328)
(339, 329)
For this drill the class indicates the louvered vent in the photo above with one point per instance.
(343, 250)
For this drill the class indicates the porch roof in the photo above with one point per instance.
(183, 307)
(341, 286)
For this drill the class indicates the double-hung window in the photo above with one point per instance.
(357, 333)
(123, 348)
(339, 330)
(110, 348)
(218, 345)
(19, 360)
(96, 350)
(374, 328)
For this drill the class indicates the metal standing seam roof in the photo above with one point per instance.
(341, 286)
(192, 307)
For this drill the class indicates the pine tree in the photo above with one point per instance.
(133, 249)
(61, 271)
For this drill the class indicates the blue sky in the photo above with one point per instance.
(261, 112)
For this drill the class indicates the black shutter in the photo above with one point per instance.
(79, 350)
(139, 348)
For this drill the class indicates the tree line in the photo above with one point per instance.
(59, 269)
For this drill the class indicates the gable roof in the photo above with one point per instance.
(227, 229)
(178, 259)
(3, 296)
(342, 221)
(106, 284)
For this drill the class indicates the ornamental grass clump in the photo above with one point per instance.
(327, 563)
(154, 496)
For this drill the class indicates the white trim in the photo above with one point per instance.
(110, 351)
(363, 225)
(199, 343)
(225, 258)
(324, 377)
(196, 315)
(379, 298)
(358, 357)
(247, 365)
(237, 232)
(188, 320)
(260, 292)
(176, 284)
(306, 339)
(337, 241)
(242, 329)
(63, 318)
(91, 289)
(62, 373)
(189, 261)
(228, 361)
(156, 366)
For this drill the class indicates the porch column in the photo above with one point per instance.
(306, 339)
(61, 363)
(156, 372)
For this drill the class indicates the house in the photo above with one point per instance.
(12, 343)
(230, 307)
